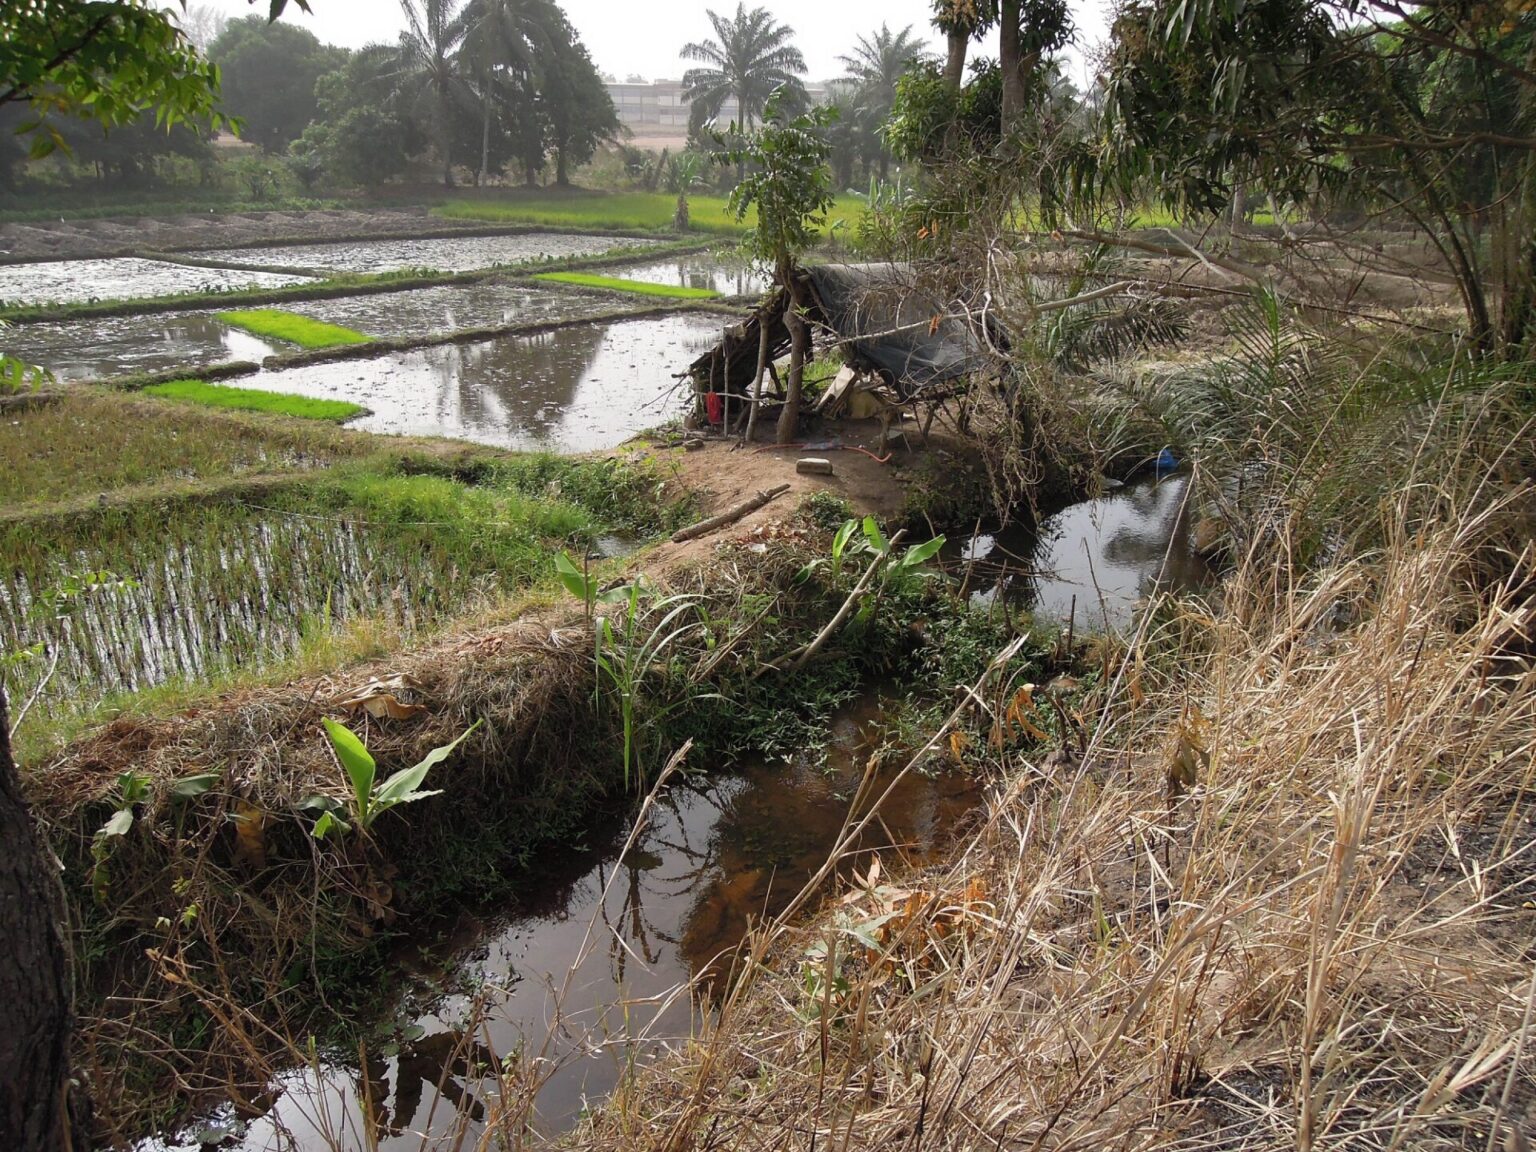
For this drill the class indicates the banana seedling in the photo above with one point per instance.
(369, 799)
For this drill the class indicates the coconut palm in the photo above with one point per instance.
(502, 42)
(750, 57)
(434, 31)
(874, 66)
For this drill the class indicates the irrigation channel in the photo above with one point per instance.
(587, 970)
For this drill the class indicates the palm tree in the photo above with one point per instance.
(874, 66)
(502, 42)
(961, 21)
(751, 57)
(434, 31)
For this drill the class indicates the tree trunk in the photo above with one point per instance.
(800, 341)
(562, 178)
(1011, 61)
(485, 141)
(954, 62)
(757, 380)
(36, 1013)
(444, 131)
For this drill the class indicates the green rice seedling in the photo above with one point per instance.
(638, 287)
(304, 331)
(256, 400)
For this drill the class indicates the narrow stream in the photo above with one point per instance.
(620, 936)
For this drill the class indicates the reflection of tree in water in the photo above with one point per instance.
(1155, 541)
(518, 382)
(442, 1063)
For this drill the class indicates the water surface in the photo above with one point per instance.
(576, 389)
(118, 345)
(446, 254)
(726, 275)
(81, 281)
(450, 307)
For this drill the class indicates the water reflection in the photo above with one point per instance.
(449, 307)
(73, 281)
(585, 972)
(118, 345)
(702, 270)
(574, 389)
(1092, 561)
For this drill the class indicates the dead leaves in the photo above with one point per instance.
(250, 835)
(1190, 755)
(895, 922)
(380, 698)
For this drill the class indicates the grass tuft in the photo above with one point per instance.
(256, 400)
(638, 287)
(301, 330)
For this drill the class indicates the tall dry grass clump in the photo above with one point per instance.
(1278, 892)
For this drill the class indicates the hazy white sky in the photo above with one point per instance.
(643, 36)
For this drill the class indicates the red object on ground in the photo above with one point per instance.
(714, 407)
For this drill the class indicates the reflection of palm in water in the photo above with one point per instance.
(520, 382)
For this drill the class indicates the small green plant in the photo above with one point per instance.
(370, 800)
(132, 790)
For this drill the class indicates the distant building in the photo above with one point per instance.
(659, 107)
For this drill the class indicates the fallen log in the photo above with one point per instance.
(732, 514)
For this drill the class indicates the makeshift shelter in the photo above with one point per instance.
(892, 334)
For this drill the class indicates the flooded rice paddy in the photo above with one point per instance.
(126, 278)
(726, 275)
(449, 254)
(1092, 562)
(605, 942)
(119, 345)
(575, 389)
(449, 307)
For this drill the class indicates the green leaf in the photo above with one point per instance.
(118, 825)
(572, 577)
(840, 541)
(921, 553)
(401, 788)
(329, 822)
(872, 533)
(355, 761)
(189, 787)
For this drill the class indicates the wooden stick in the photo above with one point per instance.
(732, 514)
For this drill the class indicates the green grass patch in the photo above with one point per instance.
(301, 330)
(630, 211)
(95, 443)
(638, 287)
(256, 400)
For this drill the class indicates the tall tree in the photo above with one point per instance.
(581, 113)
(961, 21)
(503, 42)
(267, 74)
(874, 66)
(1027, 31)
(751, 56)
(434, 31)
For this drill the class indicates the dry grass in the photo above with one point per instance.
(1281, 900)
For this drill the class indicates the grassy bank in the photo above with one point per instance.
(301, 330)
(643, 211)
(255, 400)
(635, 287)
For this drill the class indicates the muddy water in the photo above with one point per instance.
(1092, 562)
(79, 281)
(446, 308)
(575, 389)
(702, 270)
(451, 254)
(115, 346)
(619, 936)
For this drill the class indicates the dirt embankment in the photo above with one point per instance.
(125, 235)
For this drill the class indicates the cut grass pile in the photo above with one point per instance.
(642, 211)
(92, 443)
(301, 330)
(638, 287)
(256, 400)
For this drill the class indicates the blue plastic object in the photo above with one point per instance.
(1166, 461)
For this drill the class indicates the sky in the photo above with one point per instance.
(643, 36)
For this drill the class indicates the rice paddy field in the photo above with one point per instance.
(159, 542)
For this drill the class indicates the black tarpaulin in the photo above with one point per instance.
(913, 340)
